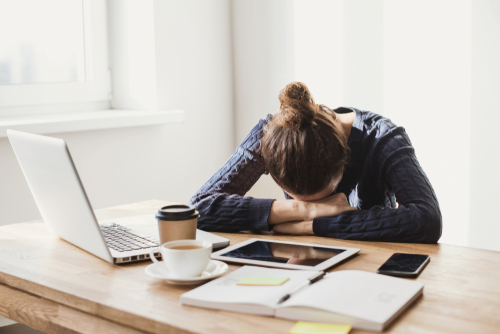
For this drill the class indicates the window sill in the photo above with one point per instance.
(89, 120)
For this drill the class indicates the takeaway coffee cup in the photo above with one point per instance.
(177, 222)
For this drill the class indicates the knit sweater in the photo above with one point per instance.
(383, 180)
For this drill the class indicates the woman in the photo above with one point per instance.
(346, 174)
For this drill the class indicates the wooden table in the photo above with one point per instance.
(52, 286)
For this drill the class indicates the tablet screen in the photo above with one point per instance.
(284, 253)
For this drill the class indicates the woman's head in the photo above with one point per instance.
(304, 148)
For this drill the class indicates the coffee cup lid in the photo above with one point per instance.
(176, 212)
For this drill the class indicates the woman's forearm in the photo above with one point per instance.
(283, 211)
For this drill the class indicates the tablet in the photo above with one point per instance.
(284, 254)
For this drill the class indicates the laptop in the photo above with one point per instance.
(65, 208)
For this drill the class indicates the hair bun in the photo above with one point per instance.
(297, 106)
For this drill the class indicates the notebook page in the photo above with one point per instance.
(357, 294)
(225, 290)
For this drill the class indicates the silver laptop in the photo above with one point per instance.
(59, 194)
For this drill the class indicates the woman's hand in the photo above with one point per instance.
(293, 211)
(327, 207)
(295, 228)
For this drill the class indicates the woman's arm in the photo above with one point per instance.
(221, 201)
(286, 211)
(417, 218)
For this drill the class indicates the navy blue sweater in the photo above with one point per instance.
(383, 180)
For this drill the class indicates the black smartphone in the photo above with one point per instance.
(404, 265)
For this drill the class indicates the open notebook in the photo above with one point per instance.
(361, 299)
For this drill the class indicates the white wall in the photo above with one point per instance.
(132, 47)
(194, 73)
(426, 89)
(263, 52)
(319, 57)
(363, 50)
(484, 221)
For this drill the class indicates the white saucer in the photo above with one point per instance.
(214, 269)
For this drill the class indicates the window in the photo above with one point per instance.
(53, 52)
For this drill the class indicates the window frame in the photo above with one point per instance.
(97, 86)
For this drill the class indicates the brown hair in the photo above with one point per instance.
(302, 149)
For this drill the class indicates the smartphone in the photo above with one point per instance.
(404, 265)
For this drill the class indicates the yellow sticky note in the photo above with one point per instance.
(303, 327)
(262, 280)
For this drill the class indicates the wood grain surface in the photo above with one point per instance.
(55, 287)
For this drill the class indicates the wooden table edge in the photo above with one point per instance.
(48, 316)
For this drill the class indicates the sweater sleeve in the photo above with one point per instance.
(392, 162)
(221, 201)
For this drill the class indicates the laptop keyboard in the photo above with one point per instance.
(121, 239)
